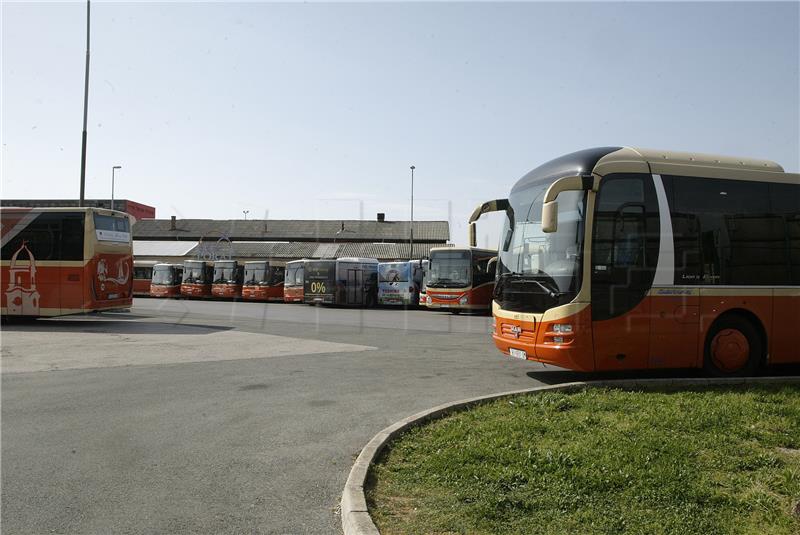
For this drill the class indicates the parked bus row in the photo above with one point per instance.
(452, 279)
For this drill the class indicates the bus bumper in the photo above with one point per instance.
(541, 342)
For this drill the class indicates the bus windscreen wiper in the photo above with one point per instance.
(532, 278)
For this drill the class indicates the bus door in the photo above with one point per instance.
(355, 287)
(624, 255)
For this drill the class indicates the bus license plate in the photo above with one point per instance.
(518, 354)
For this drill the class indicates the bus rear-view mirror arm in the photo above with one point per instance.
(550, 205)
(496, 205)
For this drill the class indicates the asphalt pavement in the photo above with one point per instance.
(219, 417)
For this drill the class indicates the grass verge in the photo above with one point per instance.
(704, 461)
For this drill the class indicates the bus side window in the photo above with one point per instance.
(42, 236)
(729, 232)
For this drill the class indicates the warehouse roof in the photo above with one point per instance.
(291, 251)
(161, 248)
(297, 230)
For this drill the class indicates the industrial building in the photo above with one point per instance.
(176, 240)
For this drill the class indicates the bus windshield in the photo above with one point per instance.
(225, 272)
(194, 273)
(449, 269)
(539, 262)
(255, 274)
(163, 275)
(292, 273)
(112, 228)
(394, 272)
(262, 274)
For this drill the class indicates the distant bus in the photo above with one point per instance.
(228, 279)
(197, 277)
(617, 258)
(399, 283)
(142, 276)
(294, 281)
(166, 280)
(58, 261)
(263, 281)
(345, 281)
(461, 278)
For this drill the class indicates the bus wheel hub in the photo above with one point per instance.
(730, 350)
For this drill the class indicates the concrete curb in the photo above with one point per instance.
(356, 519)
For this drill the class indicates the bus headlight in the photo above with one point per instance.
(562, 328)
(463, 301)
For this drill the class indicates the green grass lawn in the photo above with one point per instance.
(714, 460)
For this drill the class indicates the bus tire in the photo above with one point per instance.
(733, 348)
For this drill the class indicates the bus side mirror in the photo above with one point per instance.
(550, 206)
(473, 240)
(550, 216)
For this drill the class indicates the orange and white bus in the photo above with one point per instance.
(58, 261)
(142, 276)
(197, 277)
(263, 281)
(294, 281)
(166, 280)
(460, 278)
(228, 278)
(618, 258)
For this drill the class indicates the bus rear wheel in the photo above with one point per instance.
(733, 348)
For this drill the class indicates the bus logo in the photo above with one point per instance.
(21, 294)
(516, 330)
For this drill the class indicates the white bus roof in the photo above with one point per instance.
(357, 260)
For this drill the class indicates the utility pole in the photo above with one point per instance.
(411, 249)
(85, 109)
(112, 183)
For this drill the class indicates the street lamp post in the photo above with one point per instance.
(85, 109)
(245, 212)
(411, 248)
(112, 183)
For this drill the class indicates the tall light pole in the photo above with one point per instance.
(112, 183)
(411, 249)
(245, 212)
(85, 110)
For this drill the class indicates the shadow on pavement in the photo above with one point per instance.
(96, 324)
(552, 377)
(557, 376)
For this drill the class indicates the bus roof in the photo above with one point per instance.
(471, 249)
(357, 260)
(605, 160)
(102, 211)
(695, 158)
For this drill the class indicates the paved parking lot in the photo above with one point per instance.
(197, 417)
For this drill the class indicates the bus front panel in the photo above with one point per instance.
(319, 285)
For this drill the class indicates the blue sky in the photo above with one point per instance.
(317, 110)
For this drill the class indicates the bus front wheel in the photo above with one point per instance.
(733, 348)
